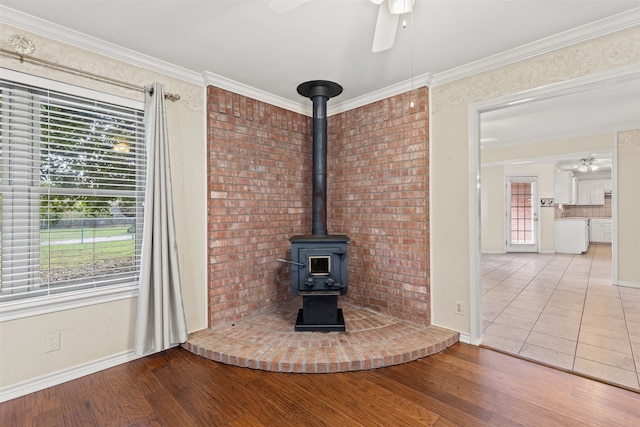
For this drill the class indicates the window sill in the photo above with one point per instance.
(68, 301)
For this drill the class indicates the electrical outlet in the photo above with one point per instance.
(459, 307)
(52, 342)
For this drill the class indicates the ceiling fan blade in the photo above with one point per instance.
(386, 28)
(280, 7)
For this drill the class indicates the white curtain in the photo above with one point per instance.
(160, 322)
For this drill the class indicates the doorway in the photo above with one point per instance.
(531, 268)
(522, 214)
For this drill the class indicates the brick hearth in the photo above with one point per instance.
(268, 342)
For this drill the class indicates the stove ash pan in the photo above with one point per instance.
(319, 265)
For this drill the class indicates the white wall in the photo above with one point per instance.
(98, 332)
(449, 146)
(628, 208)
(492, 209)
(493, 226)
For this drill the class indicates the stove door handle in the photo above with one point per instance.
(291, 262)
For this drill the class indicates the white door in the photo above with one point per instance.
(522, 214)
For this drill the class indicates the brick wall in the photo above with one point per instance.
(378, 195)
(259, 173)
(259, 160)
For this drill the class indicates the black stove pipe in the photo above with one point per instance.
(319, 91)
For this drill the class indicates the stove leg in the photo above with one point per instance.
(320, 313)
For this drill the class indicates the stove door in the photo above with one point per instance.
(325, 269)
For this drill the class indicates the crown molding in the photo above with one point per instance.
(384, 93)
(65, 35)
(580, 34)
(211, 79)
(576, 35)
(565, 87)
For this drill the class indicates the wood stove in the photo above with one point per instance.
(319, 261)
(319, 275)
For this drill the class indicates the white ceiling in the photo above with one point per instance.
(245, 42)
(598, 109)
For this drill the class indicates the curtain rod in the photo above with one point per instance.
(33, 59)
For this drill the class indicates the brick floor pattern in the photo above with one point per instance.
(268, 342)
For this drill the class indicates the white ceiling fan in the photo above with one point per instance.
(591, 164)
(386, 24)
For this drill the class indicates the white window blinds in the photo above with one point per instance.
(72, 185)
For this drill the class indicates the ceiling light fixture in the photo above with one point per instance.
(587, 165)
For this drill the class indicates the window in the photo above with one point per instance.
(72, 184)
(521, 214)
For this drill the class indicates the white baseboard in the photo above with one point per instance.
(36, 384)
(465, 338)
(50, 380)
(628, 284)
(504, 252)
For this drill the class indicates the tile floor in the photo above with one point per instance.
(563, 310)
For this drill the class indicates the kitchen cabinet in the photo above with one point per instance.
(601, 230)
(590, 192)
(608, 185)
(565, 185)
(571, 235)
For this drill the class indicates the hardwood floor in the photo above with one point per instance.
(464, 385)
